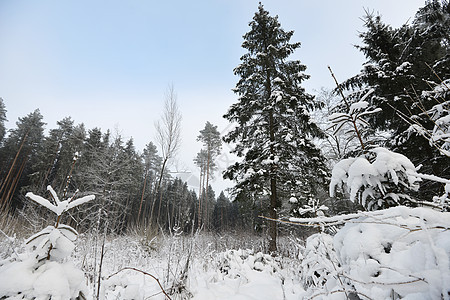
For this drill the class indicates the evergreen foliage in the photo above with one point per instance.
(205, 160)
(18, 154)
(401, 68)
(69, 157)
(274, 131)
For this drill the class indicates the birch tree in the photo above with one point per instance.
(168, 138)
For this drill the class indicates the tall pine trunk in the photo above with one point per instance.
(206, 187)
(200, 191)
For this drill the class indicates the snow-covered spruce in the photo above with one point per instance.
(439, 114)
(382, 178)
(43, 271)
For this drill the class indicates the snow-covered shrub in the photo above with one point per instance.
(378, 179)
(395, 253)
(319, 263)
(233, 263)
(403, 252)
(43, 272)
(243, 274)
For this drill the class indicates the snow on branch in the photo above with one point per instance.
(383, 175)
(60, 206)
(439, 220)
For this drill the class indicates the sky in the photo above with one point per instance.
(108, 63)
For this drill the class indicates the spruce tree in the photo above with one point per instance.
(274, 127)
(221, 208)
(402, 65)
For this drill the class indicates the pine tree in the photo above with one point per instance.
(152, 165)
(133, 171)
(18, 156)
(274, 127)
(55, 164)
(201, 161)
(212, 144)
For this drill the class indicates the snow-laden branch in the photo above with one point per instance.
(382, 178)
(440, 220)
(60, 206)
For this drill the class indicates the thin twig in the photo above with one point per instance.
(143, 272)
(348, 107)
(384, 283)
(432, 70)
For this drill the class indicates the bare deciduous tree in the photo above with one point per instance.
(168, 137)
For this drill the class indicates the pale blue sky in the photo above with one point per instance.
(107, 63)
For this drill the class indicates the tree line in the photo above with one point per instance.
(283, 137)
(132, 188)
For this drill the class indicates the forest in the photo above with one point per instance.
(363, 162)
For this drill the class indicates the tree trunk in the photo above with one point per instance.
(142, 196)
(200, 192)
(273, 181)
(8, 179)
(206, 188)
(7, 201)
(158, 189)
(273, 197)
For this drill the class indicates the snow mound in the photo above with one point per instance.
(242, 274)
(52, 280)
(402, 253)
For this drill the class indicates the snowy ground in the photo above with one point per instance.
(198, 267)
(399, 253)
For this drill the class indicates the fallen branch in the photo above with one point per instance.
(390, 213)
(384, 283)
(143, 272)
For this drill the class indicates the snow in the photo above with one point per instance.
(402, 249)
(60, 281)
(60, 206)
(243, 274)
(404, 66)
(385, 250)
(399, 250)
(361, 105)
(60, 238)
(363, 178)
(273, 160)
(340, 174)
